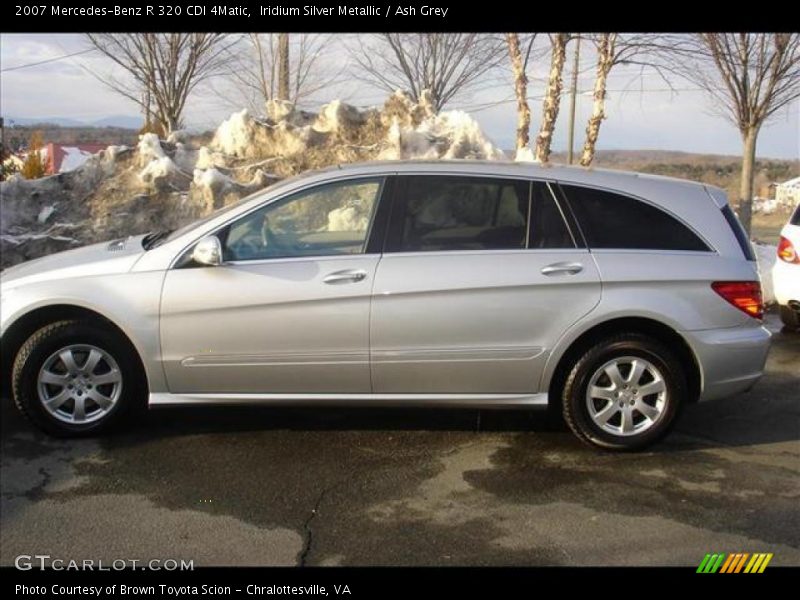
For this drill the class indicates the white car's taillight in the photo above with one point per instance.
(787, 252)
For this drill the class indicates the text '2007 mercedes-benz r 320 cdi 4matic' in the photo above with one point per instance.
(612, 296)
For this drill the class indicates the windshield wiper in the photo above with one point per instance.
(151, 240)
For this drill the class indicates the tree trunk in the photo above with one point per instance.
(605, 60)
(749, 139)
(552, 97)
(521, 92)
(283, 66)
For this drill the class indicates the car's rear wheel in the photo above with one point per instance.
(76, 377)
(790, 318)
(624, 392)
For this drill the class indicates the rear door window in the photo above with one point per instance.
(611, 220)
(445, 213)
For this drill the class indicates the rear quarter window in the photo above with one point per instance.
(796, 216)
(738, 232)
(611, 220)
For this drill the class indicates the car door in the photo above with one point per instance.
(288, 309)
(479, 279)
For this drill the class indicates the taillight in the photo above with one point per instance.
(744, 295)
(787, 253)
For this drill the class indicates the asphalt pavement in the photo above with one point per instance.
(331, 486)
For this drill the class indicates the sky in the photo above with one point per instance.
(642, 112)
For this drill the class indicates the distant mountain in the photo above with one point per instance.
(123, 121)
(120, 121)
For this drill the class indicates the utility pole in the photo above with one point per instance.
(572, 99)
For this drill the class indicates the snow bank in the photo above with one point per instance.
(235, 134)
(149, 148)
(768, 206)
(45, 213)
(167, 183)
(112, 153)
(211, 178)
(158, 170)
(447, 135)
(524, 155)
(766, 254)
(207, 158)
(158, 167)
(178, 136)
(347, 218)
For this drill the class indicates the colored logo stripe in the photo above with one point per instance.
(711, 563)
(735, 562)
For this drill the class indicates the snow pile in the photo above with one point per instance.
(160, 184)
(336, 116)
(178, 136)
(447, 135)
(111, 153)
(149, 148)
(768, 206)
(45, 213)
(207, 158)
(766, 254)
(524, 155)
(347, 218)
(234, 136)
(159, 169)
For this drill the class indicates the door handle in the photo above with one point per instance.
(562, 268)
(348, 276)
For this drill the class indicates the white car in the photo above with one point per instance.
(786, 272)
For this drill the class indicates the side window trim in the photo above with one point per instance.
(379, 223)
(530, 216)
(566, 215)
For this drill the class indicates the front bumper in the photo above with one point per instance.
(731, 360)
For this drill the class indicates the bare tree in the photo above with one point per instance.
(283, 66)
(262, 68)
(162, 68)
(552, 96)
(750, 77)
(519, 63)
(615, 49)
(606, 51)
(446, 64)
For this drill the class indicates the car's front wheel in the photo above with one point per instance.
(75, 377)
(624, 392)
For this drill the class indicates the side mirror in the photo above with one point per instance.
(208, 251)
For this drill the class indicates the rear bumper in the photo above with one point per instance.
(731, 360)
(786, 282)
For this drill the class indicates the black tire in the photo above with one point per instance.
(790, 318)
(55, 336)
(574, 403)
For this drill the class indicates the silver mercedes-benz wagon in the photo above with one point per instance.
(615, 298)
